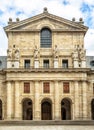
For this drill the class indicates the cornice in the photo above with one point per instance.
(49, 70)
(45, 15)
(53, 30)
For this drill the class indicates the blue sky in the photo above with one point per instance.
(63, 8)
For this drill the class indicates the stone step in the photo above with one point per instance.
(45, 123)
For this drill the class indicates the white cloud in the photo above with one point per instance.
(89, 42)
(27, 8)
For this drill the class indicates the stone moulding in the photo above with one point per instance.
(45, 123)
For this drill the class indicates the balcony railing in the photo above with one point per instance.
(45, 67)
(49, 69)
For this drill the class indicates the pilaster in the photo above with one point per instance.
(9, 100)
(17, 111)
(85, 110)
(76, 113)
(57, 105)
(37, 108)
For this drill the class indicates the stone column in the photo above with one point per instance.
(37, 105)
(85, 111)
(57, 104)
(9, 100)
(17, 111)
(77, 103)
(36, 63)
(55, 63)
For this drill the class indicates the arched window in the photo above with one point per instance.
(46, 110)
(46, 38)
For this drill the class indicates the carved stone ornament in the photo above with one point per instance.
(55, 52)
(79, 53)
(9, 53)
(36, 52)
(17, 55)
(13, 54)
(82, 54)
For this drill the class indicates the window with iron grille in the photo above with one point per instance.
(46, 38)
(66, 88)
(26, 87)
(46, 87)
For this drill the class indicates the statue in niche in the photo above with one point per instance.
(55, 52)
(36, 52)
(13, 53)
(17, 54)
(9, 54)
(75, 54)
(82, 54)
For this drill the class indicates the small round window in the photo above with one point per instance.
(0, 62)
(92, 63)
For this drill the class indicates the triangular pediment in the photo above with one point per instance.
(45, 20)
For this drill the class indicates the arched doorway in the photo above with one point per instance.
(46, 110)
(92, 109)
(65, 109)
(27, 109)
(0, 110)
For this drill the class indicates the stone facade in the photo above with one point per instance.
(46, 76)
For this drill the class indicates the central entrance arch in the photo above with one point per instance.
(46, 110)
(65, 109)
(27, 109)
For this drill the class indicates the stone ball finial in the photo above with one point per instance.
(10, 19)
(73, 19)
(81, 19)
(17, 20)
(45, 10)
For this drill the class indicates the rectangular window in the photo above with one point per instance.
(46, 63)
(26, 64)
(66, 88)
(65, 63)
(26, 87)
(46, 87)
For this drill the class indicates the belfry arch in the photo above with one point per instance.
(27, 109)
(46, 109)
(65, 109)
